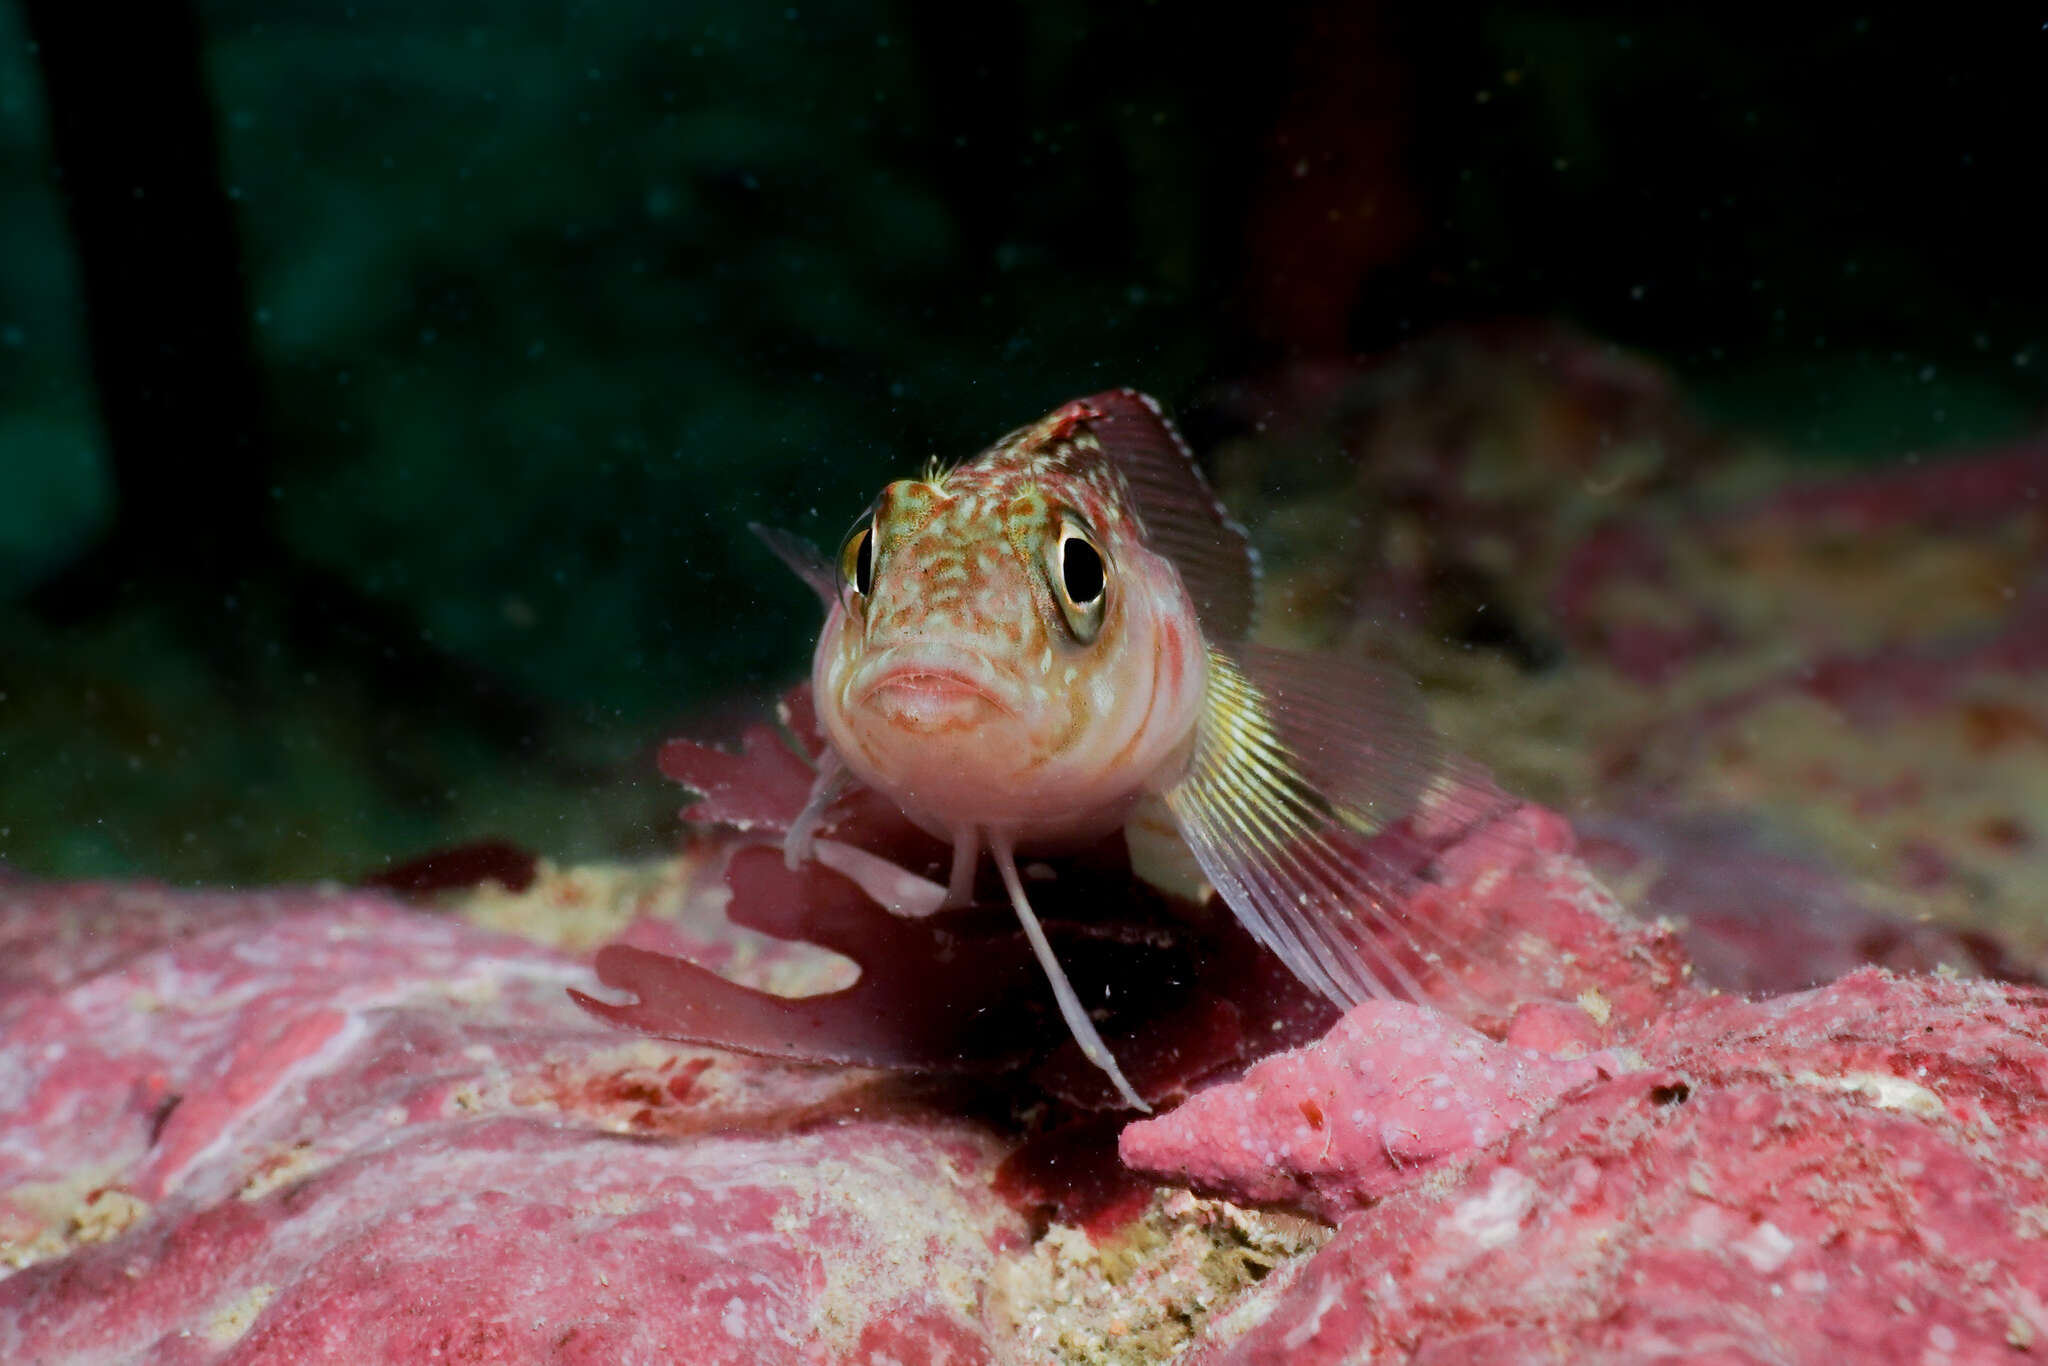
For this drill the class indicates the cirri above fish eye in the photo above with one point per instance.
(1079, 579)
(1307, 791)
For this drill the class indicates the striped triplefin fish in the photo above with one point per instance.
(1047, 643)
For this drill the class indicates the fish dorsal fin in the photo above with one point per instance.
(1183, 521)
(1315, 799)
(805, 560)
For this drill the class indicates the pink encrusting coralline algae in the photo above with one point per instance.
(330, 1127)
(1855, 1173)
(313, 1127)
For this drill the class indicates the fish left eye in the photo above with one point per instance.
(1080, 582)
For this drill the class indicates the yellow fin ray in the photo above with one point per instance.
(1302, 769)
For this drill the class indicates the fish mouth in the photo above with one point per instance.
(932, 689)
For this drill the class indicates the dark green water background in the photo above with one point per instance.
(519, 313)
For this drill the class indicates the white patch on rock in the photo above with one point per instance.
(1495, 1216)
(1881, 1089)
(1765, 1248)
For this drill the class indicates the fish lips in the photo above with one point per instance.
(929, 690)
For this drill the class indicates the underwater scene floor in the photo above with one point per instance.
(1747, 1061)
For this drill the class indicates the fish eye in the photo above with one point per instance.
(857, 560)
(1080, 570)
(1080, 580)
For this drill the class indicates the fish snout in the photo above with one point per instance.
(927, 689)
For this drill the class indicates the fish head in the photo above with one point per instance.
(1006, 650)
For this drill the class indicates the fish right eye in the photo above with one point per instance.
(857, 560)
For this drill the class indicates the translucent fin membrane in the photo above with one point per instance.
(1313, 802)
(804, 560)
(1183, 521)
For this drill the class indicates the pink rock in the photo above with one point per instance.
(295, 1126)
(1854, 1173)
(1391, 1091)
(1536, 926)
(328, 1128)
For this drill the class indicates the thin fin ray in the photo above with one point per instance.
(1223, 845)
(1288, 883)
(1315, 902)
(1328, 916)
(1228, 871)
(1317, 824)
(1357, 730)
(1287, 926)
(1357, 896)
(1183, 519)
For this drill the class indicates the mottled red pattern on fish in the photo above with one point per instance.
(959, 684)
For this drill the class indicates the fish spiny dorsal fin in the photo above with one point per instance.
(1311, 777)
(1182, 519)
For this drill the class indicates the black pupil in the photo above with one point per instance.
(1081, 568)
(864, 564)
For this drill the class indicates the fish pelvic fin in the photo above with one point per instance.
(1071, 1009)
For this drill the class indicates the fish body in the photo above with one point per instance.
(1048, 643)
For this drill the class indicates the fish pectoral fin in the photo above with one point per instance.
(805, 560)
(1312, 801)
(1071, 1009)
